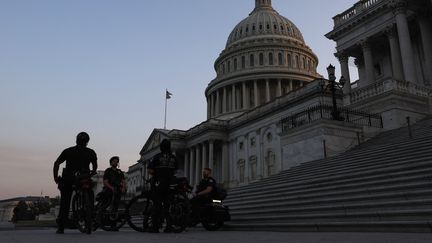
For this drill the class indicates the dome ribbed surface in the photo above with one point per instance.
(263, 22)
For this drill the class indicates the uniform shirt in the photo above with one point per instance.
(206, 182)
(78, 158)
(114, 176)
(164, 165)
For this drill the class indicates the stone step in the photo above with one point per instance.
(379, 215)
(367, 154)
(346, 207)
(341, 162)
(321, 172)
(346, 226)
(332, 191)
(335, 200)
(282, 181)
(322, 178)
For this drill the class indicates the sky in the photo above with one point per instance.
(102, 66)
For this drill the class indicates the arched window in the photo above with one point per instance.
(304, 63)
(229, 66)
(235, 64)
(280, 61)
(289, 60)
(223, 68)
(251, 60)
(243, 62)
(270, 58)
(261, 59)
(297, 62)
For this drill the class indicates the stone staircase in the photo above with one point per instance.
(385, 184)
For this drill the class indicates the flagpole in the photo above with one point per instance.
(166, 99)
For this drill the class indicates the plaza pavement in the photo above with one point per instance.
(47, 235)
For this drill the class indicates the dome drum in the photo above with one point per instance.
(265, 57)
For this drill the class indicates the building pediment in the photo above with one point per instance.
(154, 140)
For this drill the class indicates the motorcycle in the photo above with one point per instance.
(212, 215)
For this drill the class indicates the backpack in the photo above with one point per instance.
(220, 192)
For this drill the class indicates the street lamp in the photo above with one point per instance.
(332, 84)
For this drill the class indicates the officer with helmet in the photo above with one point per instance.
(78, 159)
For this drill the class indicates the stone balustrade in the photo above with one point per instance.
(378, 88)
(357, 9)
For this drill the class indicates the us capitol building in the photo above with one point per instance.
(269, 110)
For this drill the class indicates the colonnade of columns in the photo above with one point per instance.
(198, 157)
(401, 50)
(245, 95)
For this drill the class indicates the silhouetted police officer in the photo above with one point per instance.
(164, 166)
(78, 159)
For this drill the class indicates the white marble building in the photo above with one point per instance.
(269, 110)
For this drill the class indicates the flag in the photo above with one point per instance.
(168, 95)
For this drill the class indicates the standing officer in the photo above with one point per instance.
(78, 159)
(164, 166)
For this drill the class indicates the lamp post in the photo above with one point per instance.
(332, 83)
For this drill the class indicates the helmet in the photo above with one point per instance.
(165, 145)
(82, 138)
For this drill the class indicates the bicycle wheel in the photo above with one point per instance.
(99, 210)
(178, 213)
(138, 213)
(88, 210)
(79, 212)
(113, 219)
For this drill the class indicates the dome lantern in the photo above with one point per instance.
(263, 4)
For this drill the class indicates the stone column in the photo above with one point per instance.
(368, 60)
(244, 93)
(211, 148)
(267, 90)
(359, 64)
(197, 164)
(204, 158)
(191, 167)
(426, 34)
(256, 94)
(225, 163)
(233, 97)
(290, 85)
(217, 112)
(208, 107)
(343, 60)
(186, 164)
(395, 54)
(279, 88)
(212, 105)
(224, 100)
(399, 7)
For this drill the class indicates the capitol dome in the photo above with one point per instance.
(263, 21)
(265, 57)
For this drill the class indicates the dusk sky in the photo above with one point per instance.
(102, 66)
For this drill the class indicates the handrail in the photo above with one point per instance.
(319, 112)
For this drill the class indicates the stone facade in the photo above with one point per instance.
(269, 110)
(391, 42)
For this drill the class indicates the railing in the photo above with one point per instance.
(358, 8)
(360, 94)
(325, 112)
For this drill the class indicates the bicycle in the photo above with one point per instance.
(108, 216)
(82, 202)
(139, 210)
